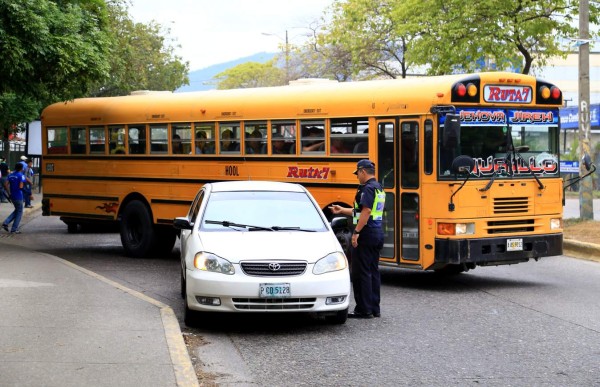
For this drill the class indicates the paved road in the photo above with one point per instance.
(536, 323)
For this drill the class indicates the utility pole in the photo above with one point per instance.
(586, 202)
(287, 59)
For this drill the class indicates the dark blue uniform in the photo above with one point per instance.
(366, 281)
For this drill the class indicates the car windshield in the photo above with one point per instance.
(292, 211)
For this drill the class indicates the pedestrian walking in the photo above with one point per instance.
(367, 240)
(14, 184)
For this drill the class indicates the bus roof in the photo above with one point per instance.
(299, 101)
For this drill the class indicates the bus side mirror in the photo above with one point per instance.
(462, 165)
(587, 161)
(451, 133)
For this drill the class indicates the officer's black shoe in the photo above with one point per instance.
(376, 314)
(359, 315)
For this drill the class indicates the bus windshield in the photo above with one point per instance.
(515, 150)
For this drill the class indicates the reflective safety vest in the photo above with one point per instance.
(376, 210)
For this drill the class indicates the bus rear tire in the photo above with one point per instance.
(137, 230)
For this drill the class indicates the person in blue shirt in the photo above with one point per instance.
(14, 184)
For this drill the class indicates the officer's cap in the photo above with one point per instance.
(364, 163)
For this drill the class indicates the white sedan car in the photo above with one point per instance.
(256, 246)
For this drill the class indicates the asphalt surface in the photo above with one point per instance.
(81, 328)
(63, 325)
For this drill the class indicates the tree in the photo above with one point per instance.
(447, 36)
(141, 56)
(52, 50)
(251, 74)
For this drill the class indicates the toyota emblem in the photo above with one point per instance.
(274, 266)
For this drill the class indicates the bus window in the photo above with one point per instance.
(385, 133)
(57, 140)
(254, 142)
(230, 137)
(158, 138)
(204, 138)
(78, 136)
(181, 139)
(97, 140)
(349, 135)
(409, 154)
(286, 130)
(313, 136)
(428, 147)
(137, 139)
(116, 142)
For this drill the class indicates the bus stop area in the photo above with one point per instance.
(63, 325)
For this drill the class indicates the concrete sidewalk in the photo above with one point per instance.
(62, 325)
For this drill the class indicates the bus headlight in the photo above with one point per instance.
(456, 228)
(555, 224)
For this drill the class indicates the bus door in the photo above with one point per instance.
(398, 161)
(386, 167)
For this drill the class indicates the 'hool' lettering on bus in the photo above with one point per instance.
(487, 167)
(308, 173)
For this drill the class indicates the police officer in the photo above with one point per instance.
(367, 240)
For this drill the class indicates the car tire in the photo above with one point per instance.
(338, 318)
(137, 230)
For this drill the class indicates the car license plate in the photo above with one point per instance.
(275, 290)
(514, 244)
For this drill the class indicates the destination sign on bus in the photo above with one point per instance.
(507, 94)
(501, 116)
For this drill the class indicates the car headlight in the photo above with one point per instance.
(332, 262)
(210, 262)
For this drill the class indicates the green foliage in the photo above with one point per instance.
(141, 56)
(389, 37)
(251, 74)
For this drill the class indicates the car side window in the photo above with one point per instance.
(195, 208)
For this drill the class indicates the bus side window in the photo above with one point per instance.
(283, 137)
(57, 140)
(158, 138)
(349, 135)
(181, 139)
(97, 140)
(313, 136)
(116, 142)
(137, 139)
(204, 138)
(78, 140)
(230, 137)
(254, 140)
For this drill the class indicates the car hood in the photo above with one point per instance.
(259, 245)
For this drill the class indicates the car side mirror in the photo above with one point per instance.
(339, 222)
(182, 223)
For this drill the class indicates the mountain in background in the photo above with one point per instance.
(203, 79)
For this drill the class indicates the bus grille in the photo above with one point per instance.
(516, 205)
(510, 226)
(274, 303)
(273, 269)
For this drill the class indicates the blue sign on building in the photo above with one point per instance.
(569, 117)
(569, 166)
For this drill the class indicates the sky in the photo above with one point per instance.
(216, 31)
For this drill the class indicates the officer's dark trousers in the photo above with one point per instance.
(366, 281)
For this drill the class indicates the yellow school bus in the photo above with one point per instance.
(469, 163)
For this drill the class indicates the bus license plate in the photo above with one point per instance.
(514, 244)
(275, 290)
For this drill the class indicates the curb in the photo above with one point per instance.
(583, 250)
(183, 369)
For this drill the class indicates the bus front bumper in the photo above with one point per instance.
(497, 251)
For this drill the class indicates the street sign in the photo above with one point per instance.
(569, 166)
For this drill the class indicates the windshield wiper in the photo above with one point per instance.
(280, 228)
(249, 227)
(525, 148)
